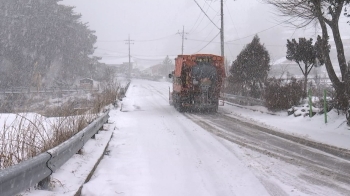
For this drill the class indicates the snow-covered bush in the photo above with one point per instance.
(279, 95)
(303, 110)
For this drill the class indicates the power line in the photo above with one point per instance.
(150, 40)
(234, 26)
(195, 23)
(118, 57)
(110, 41)
(158, 57)
(260, 31)
(211, 6)
(208, 34)
(206, 14)
(198, 40)
(147, 40)
(208, 43)
(109, 50)
(218, 20)
(240, 44)
(201, 22)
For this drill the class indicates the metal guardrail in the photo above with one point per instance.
(24, 175)
(45, 91)
(242, 100)
(38, 169)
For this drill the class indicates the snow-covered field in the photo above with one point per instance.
(155, 150)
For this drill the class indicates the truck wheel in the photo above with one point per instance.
(214, 109)
(180, 107)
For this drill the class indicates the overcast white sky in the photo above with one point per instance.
(153, 25)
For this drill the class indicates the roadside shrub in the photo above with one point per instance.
(10, 102)
(108, 96)
(281, 95)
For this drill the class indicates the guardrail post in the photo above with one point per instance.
(44, 184)
(310, 104)
(325, 105)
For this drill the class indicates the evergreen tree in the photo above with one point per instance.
(251, 68)
(306, 53)
(37, 33)
(168, 65)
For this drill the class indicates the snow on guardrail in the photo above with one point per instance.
(242, 100)
(38, 169)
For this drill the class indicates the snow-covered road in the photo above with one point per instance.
(157, 151)
(283, 166)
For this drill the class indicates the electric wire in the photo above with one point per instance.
(259, 31)
(147, 40)
(208, 43)
(206, 14)
(150, 40)
(211, 6)
(110, 40)
(211, 41)
(208, 25)
(109, 50)
(234, 26)
(195, 23)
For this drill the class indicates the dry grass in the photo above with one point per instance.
(31, 134)
(28, 135)
(108, 96)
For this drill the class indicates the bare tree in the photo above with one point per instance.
(325, 12)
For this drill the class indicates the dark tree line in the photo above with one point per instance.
(35, 36)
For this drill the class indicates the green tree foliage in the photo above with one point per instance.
(251, 68)
(305, 53)
(34, 34)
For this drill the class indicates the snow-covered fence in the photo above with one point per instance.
(242, 100)
(38, 169)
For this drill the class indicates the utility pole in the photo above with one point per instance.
(183, 38)
(128, 41)
(222, 30)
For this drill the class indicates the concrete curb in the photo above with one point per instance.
(88, 177)
(240, 106)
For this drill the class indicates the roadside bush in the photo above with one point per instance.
(108, 96)
(71, 107)
(280, 95)
(10, 102)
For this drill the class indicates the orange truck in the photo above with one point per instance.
(197, 81)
